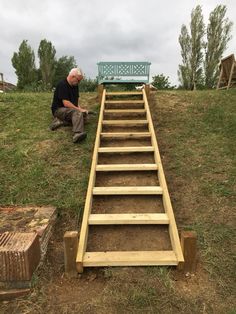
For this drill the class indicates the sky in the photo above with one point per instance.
(104, 30)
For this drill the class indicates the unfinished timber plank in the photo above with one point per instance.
(70, 251)
(126, 134)
(124, 101)
(173, 231)
(124, 122)
(129, 111)
(88, 203)
(128, 190)
(134, 258)
(19, 256)
(128, 219)
(10, 294)
(189, 247)
(123, 93)
(126, 167)
(128, 149)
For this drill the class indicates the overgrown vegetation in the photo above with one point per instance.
(161, 81)
(196, 133)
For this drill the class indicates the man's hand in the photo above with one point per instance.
(82, 110)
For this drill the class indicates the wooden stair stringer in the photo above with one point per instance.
(127, 258)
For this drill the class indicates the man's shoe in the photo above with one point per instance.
(78, 137)
(56, 123)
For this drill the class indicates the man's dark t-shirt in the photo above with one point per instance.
(64, 91)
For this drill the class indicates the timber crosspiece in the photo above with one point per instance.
(114, 133)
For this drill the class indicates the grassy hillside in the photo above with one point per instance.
(37, 165)
(196, 133)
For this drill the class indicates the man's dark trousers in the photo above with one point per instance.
(73, 116)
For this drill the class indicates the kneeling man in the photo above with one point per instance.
(65, 105)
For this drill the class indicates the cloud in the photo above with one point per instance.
(93, 31)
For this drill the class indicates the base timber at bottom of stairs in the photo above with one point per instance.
(132, 258)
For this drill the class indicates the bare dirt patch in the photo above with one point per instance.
(122, 158)
(45, 147)
(127, 178)
(128, 238)
(112, 128)
(115, 204)
(112, 142)
(110, 116)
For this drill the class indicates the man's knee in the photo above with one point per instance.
(77, 113)
(60, 113)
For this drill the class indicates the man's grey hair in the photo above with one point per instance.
(76, 71)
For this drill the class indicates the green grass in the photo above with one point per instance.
(196, 133)
(201, 135)
(39, 166)
(146, 290)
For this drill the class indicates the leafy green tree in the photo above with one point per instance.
(184, 68)
(47, 61)
(24, 64)
(88, 85)
(191, 71)
(218, 35)
(62, 67)
(161, 82)
(197, 44)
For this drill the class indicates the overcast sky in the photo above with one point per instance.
(104, 30)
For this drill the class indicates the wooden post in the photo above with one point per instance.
(147, 90)
(70, 252)
(230, 75)
(100, 92)
(189, 248)
(6, 295)
(220, 77)
(3, 85)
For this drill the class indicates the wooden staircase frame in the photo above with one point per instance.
(131, 258)
(227, 77)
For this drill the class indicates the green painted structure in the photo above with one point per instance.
(123, 72)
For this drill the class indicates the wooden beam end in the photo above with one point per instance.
(70, 252)
(189, 247)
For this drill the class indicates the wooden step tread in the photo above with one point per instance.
(122, 93)
(126, 134)
(128, 219)
(125, 122)
(127, 101)
(126, 149)
(126, 167)
(128, 190)
(129, 111)
(129, 258)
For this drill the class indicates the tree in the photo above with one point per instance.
(24, 64)
(190, 72)
(184, 69)
(47, 61)
(88, 85)
(62, 67)
(161, 82)
(218, 35)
